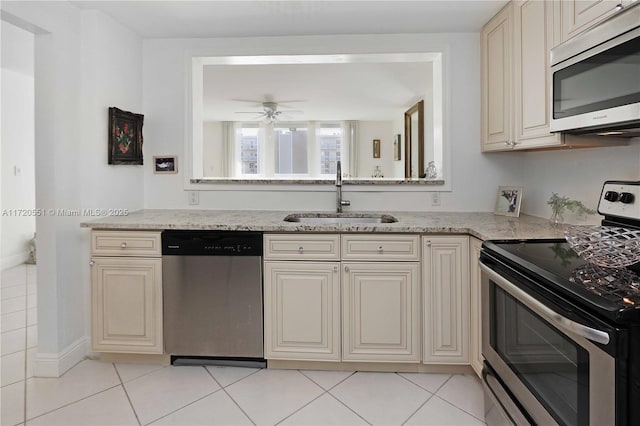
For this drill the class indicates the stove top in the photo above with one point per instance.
(613, 293)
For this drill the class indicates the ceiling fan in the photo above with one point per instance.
(270, 111)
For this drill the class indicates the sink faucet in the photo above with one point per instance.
(339, 201)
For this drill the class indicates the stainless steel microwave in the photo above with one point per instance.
(595, 79)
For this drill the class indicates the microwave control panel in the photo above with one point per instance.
(621, 199)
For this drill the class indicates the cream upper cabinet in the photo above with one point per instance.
(445, 292)
(302, 310)
(534, 36)
(126, 297)
(578, 15)
(475, 323)
(516, 79)
(381, 314)
(497, 47)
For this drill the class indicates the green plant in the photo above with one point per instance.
(560, 204)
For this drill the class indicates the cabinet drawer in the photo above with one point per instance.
(381, 247)
(301, 247)
(126, 243)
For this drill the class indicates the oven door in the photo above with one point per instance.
(548, 362)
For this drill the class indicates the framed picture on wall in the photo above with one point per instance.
(397, 148)
(165, 164)
(376, 148)
(508, 201)
(125, 137)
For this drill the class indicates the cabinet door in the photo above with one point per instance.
(446, 300)
(533, 39)
(497, 41)
(126, 305)
(302, 310)
(475, 330)
(578, 15)
(381, 316)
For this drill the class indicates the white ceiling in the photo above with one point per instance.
(342, 91)
(187, 19)
(328, 92)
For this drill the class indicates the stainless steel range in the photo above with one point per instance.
(561, 337)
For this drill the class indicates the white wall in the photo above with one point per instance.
(367, 132)
(577, 174)
(18, 162)
(84, 63)
(474, 176)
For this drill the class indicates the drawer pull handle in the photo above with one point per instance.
(380, 249)
(300, 249)
(124, 244)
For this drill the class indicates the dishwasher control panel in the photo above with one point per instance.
(211, 243)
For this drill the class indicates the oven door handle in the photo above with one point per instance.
(549, 314)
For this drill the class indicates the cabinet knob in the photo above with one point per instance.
(300, 249)
(335, 269)
(92, 262)
(346, 269)
(124, 244)
(380, 249)
(428, 243)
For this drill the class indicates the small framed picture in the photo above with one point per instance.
(397, 148)
(508, 201)
(165, 164)
(376, 148)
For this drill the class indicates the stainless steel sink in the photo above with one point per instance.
(337, 218)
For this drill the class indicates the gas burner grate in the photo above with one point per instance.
(617, 285)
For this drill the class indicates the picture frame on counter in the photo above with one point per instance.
(508, 201)
(165, 164)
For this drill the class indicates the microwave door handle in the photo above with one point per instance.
(549, 314)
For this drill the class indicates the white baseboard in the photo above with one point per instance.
(55, 365)
(13, 260)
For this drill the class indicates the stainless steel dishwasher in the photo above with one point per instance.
(212, 294)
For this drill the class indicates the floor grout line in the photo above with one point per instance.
(126, 393)
(67, 404)
(229, 395)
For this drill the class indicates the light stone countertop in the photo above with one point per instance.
(482, 225)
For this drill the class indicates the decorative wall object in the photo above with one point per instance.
(508, 201)
(376, 148)
(397, 148)
(125, 137)
(165, 164)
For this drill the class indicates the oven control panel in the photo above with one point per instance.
(619, 198)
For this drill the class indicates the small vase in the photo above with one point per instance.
(556, 218)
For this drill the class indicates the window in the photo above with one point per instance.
(330, 141)
(291, 150)
(281, 150)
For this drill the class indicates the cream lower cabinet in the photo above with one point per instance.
(362, 306)
(302, 310)
(475, 323)
(126, 293)
(381, 311)
(445, 292)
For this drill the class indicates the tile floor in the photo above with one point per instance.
(100, 393)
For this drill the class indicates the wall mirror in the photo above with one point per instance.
(292, 117)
